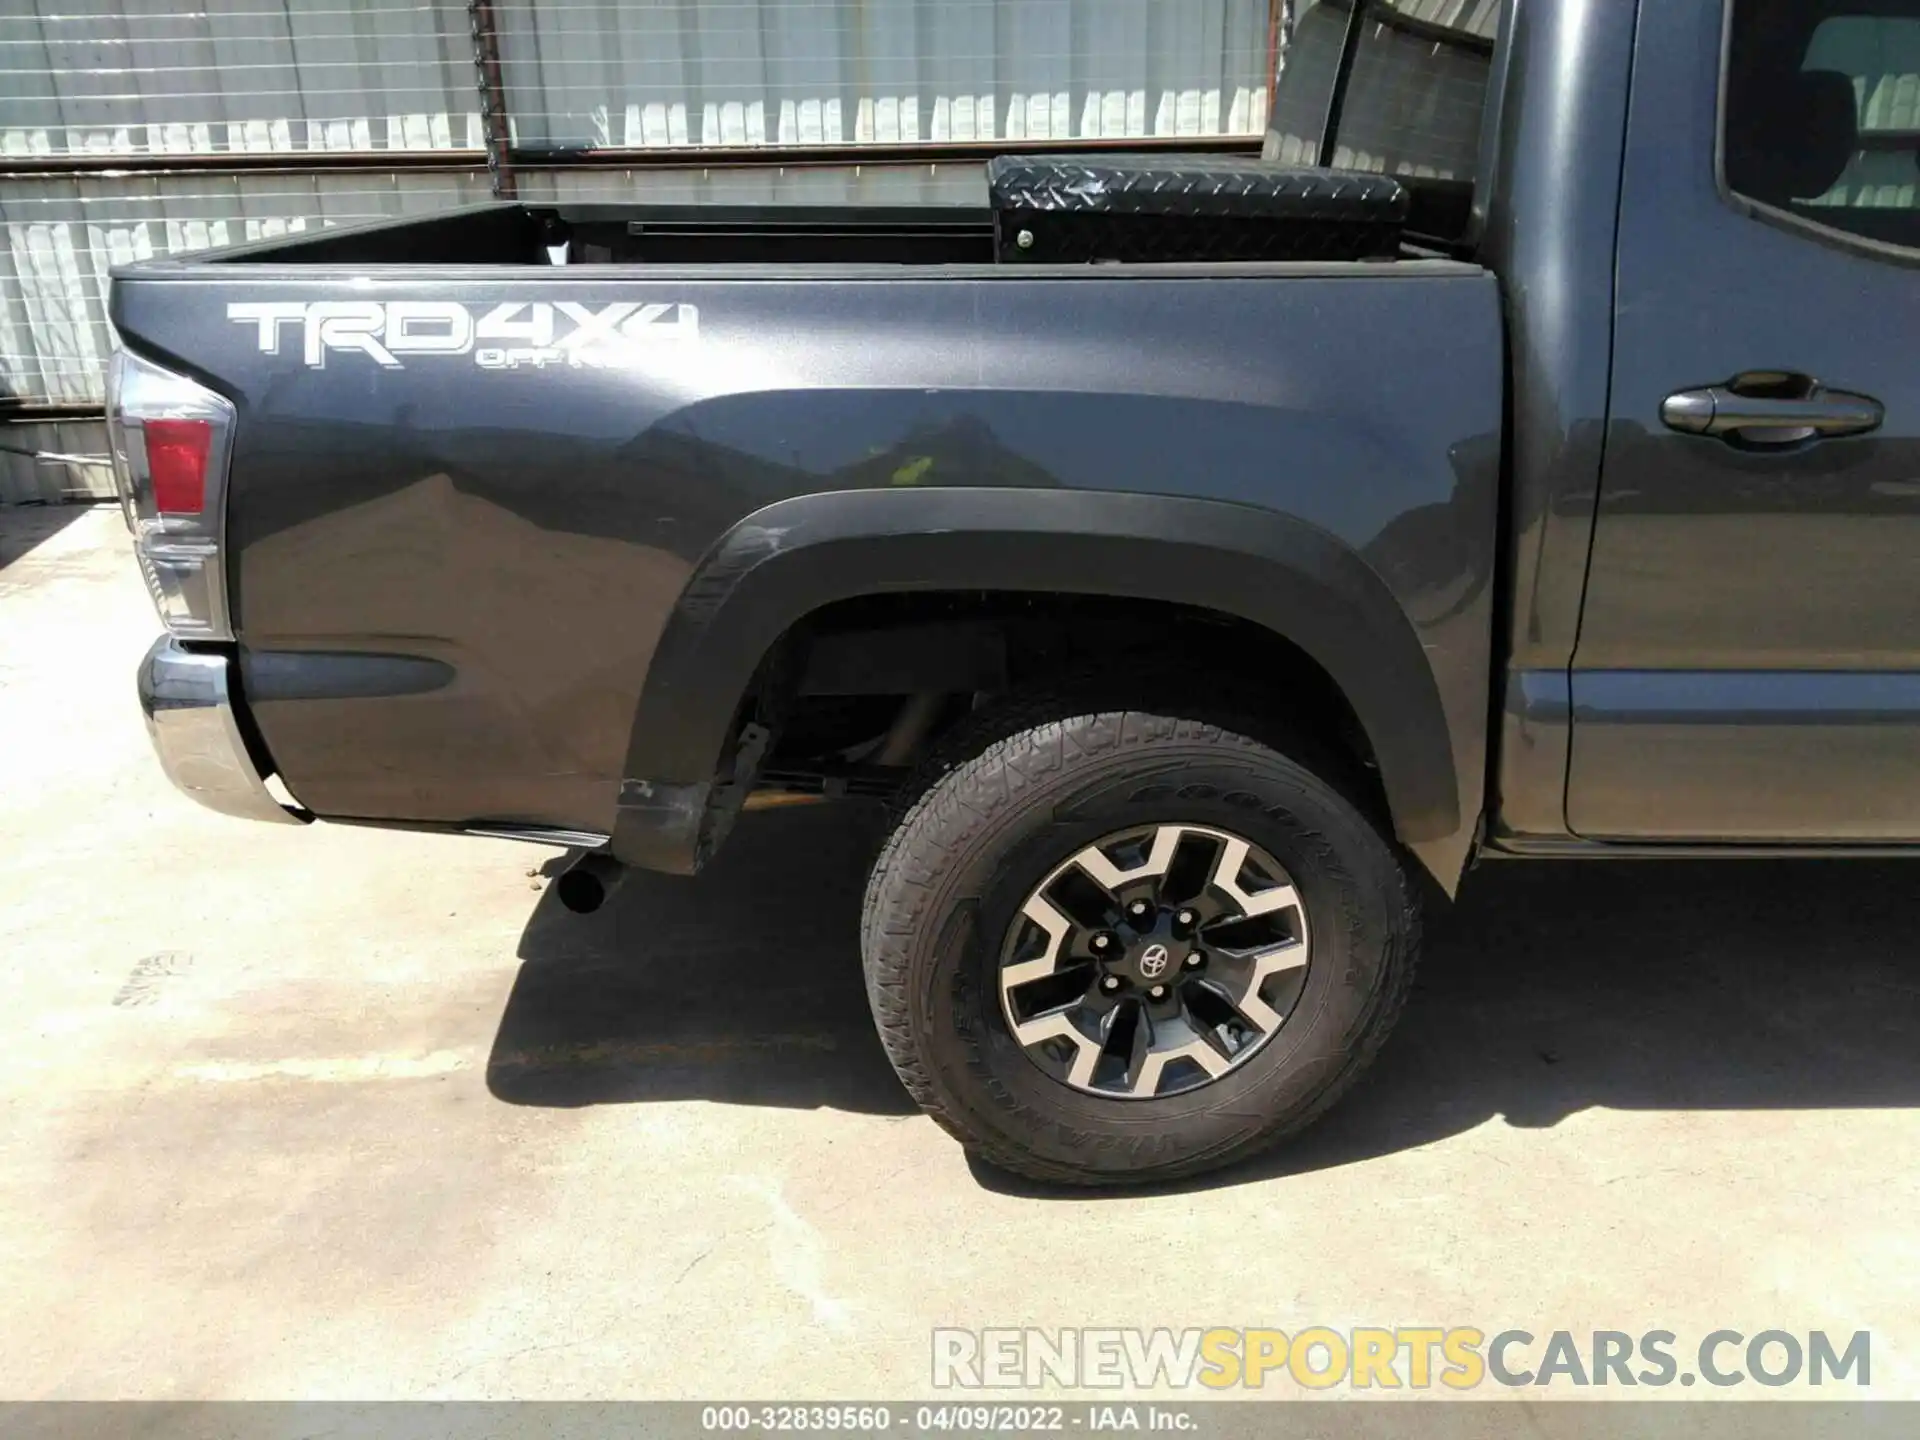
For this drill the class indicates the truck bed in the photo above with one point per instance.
(1042, 210)
(487, 467)
(510, 233)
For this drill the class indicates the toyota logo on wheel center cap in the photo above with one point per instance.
(1154, 960)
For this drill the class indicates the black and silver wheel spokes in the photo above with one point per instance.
(1154, 961)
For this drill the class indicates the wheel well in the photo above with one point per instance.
(850, 672)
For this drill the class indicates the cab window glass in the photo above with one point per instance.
(1822, 113)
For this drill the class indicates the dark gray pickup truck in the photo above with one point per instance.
(1204, 559)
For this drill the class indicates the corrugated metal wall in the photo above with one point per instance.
(831, 72)
(135, 77)
(147, 81)
(141, 77)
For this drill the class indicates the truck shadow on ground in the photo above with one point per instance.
(742, 985)
(1550, 989)
(25, 527)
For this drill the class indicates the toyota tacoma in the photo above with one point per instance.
(1207, 559)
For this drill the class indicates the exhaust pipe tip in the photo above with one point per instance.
(584, 886)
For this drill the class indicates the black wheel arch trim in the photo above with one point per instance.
(788, 560)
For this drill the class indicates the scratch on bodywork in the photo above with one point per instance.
(744, 549)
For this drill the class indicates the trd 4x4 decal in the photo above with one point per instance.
(512, 335)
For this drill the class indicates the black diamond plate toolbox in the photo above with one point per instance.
(1079, 209)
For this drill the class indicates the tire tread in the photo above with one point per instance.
(959, 796)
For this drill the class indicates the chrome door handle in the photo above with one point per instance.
(1771, 408)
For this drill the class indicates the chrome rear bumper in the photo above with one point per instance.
(187, 697)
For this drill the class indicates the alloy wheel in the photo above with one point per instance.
(1154, 961)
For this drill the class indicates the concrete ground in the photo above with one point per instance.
(334, 1112)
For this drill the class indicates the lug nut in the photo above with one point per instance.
(1138, 909)
(1158, 992)
(1110, 984)
(1195, 960)
(1187, 917)
(1102, 942)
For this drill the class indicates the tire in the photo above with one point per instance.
(951, 899)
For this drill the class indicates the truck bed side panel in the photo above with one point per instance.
(451, 565)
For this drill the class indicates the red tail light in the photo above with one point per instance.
(177, 462)
(172, 438)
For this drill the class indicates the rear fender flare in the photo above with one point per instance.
(791, 558)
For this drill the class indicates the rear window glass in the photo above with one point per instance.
(1414, 100)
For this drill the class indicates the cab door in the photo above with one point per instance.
(1748, 664)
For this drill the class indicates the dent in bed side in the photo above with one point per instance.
(796, 556)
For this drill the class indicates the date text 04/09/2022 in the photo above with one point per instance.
(938, 1419)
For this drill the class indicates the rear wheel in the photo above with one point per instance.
(1121, 947)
